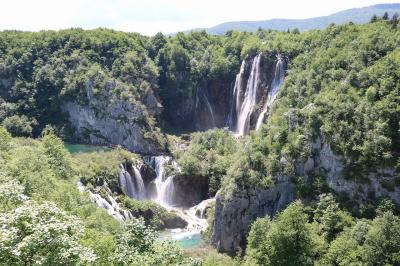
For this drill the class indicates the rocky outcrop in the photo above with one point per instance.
(234, 214)
(376, 184)
(109, 120)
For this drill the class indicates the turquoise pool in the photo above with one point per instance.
(184, 239)
(76, 148)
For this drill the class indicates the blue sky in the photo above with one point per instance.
(151, 16)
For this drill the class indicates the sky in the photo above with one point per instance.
(151, 16)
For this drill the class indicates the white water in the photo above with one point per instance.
(164, 186)
(245, 101)
(140, 188)
(133, 187)
(250, 97)
(166, 193)
(111, 206)
(165, 196)
(279, 76)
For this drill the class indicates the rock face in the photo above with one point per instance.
(206, 108)
(377, 184)
(189, 190)
(234, 216)
(107, 120)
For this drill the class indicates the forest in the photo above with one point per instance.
(317, 184)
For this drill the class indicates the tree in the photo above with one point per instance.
(287, 241)
(346, 249)
(5, 140)
(374, 19)
(11, 193)
(332, 220)
(385, 16)
(58, 157)
(382, 242)
(395, 20)
(19, 125)
(35, 234)
(137, 245)
(255, 253)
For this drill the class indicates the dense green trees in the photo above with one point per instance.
(209, 154)
(291, 239)
(287, 240)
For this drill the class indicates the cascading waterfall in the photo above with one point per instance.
(133, 187)
(250, 97)
(165, 188)
(279, 76)
(246, 96)
(167, 192)
(140, 188)
(110, 205)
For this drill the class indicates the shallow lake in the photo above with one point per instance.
(76, 148)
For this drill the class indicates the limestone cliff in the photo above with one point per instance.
(235, 213)
(110, 120)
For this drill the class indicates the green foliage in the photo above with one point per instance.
(382, 246)
(95, 168)
(41, 234)
(286, 241)
(5, 140)
(209, 154)
(332, 220)
(137, 245)
(58, 157)
(18, 125)
(154, 215)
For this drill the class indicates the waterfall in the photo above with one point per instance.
(140, 188)
(111, 206)
(236, 97)
(209, 108)
(279, 76)
(166, 193)
(133, 187)
(250, 97)
(164, 186)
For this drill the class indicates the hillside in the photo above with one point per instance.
(355, 15)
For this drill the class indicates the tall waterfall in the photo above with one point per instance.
(133, 187)
(236, 99)
(279, 76)
(247, 93)
(250, 97)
